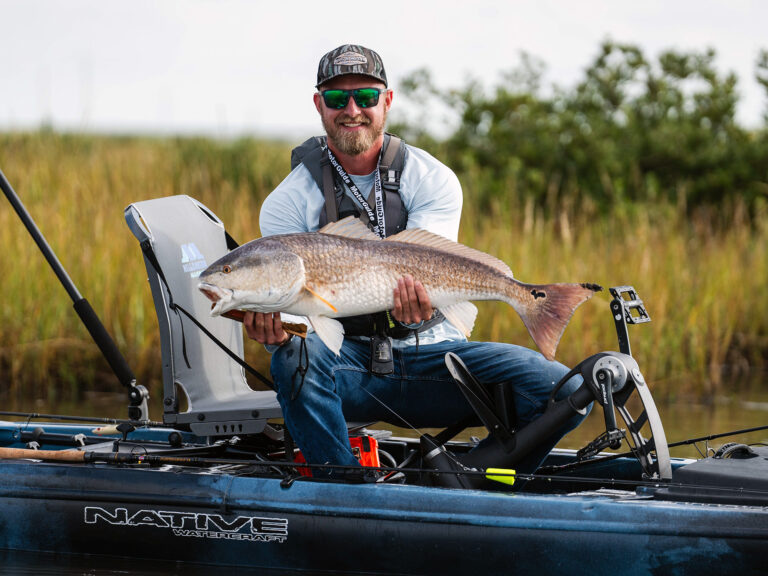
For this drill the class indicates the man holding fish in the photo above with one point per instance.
(387, 362)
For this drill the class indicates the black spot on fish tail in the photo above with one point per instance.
(593, 287)
(553, 305)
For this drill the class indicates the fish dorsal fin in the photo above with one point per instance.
(349, 227)
(432, 240)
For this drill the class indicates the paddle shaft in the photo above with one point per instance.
(82, 306)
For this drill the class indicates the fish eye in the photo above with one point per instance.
(226, 269)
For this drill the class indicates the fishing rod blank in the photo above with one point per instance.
(33, 416)
(505, 475)
(83, 308)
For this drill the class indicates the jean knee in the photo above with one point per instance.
(299, 368)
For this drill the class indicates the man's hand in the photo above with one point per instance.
(265, 328)
(412, 304)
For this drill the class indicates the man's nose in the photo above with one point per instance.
(352, 108)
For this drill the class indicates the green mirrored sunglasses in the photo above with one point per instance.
(364, 97)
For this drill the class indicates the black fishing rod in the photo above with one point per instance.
(153, 459)
(355, 473)
(716, 436)
(30, 416)
(123, 372)
(689, 441)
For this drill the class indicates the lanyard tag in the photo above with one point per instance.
(381, 356)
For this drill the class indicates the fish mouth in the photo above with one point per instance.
(220, 297)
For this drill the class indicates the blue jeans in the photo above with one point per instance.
(420, 392)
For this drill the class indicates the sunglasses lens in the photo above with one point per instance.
(336, 99)
(366, 97)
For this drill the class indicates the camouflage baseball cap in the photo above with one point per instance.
(350, 59)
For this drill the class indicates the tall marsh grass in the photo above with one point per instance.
(703, 277)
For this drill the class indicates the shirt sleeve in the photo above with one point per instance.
(289, 208)
(432, 195)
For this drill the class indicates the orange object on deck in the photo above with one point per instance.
(365, 449)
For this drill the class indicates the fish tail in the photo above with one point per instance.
(546, 310)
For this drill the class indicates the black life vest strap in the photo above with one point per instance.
(329, 191)
(369, 324)
(390, 169)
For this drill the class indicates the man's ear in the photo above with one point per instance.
(388, 99)
(318, 102)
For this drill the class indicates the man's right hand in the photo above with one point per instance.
(412, 304)
(266, 328)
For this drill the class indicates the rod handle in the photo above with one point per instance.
(58, 455)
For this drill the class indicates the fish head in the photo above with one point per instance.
(262, 277)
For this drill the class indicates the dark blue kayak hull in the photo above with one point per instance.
(220, 519)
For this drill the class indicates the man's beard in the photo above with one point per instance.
(354, 143)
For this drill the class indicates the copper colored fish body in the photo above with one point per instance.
(345, 270)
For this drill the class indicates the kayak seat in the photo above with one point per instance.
(179, 238)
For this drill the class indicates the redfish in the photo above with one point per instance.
(344, 269)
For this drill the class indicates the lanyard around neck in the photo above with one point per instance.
(377, 219)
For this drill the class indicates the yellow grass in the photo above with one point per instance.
(704, 283)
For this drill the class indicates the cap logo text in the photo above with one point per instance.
(350, 59)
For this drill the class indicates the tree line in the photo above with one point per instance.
(633, 129)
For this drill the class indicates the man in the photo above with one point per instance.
(414, 388)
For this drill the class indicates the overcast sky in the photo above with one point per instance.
(231, 67)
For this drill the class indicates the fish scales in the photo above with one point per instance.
(362, 273)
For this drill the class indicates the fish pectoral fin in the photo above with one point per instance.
(461, 315)
(330, 332)
(323, 300)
